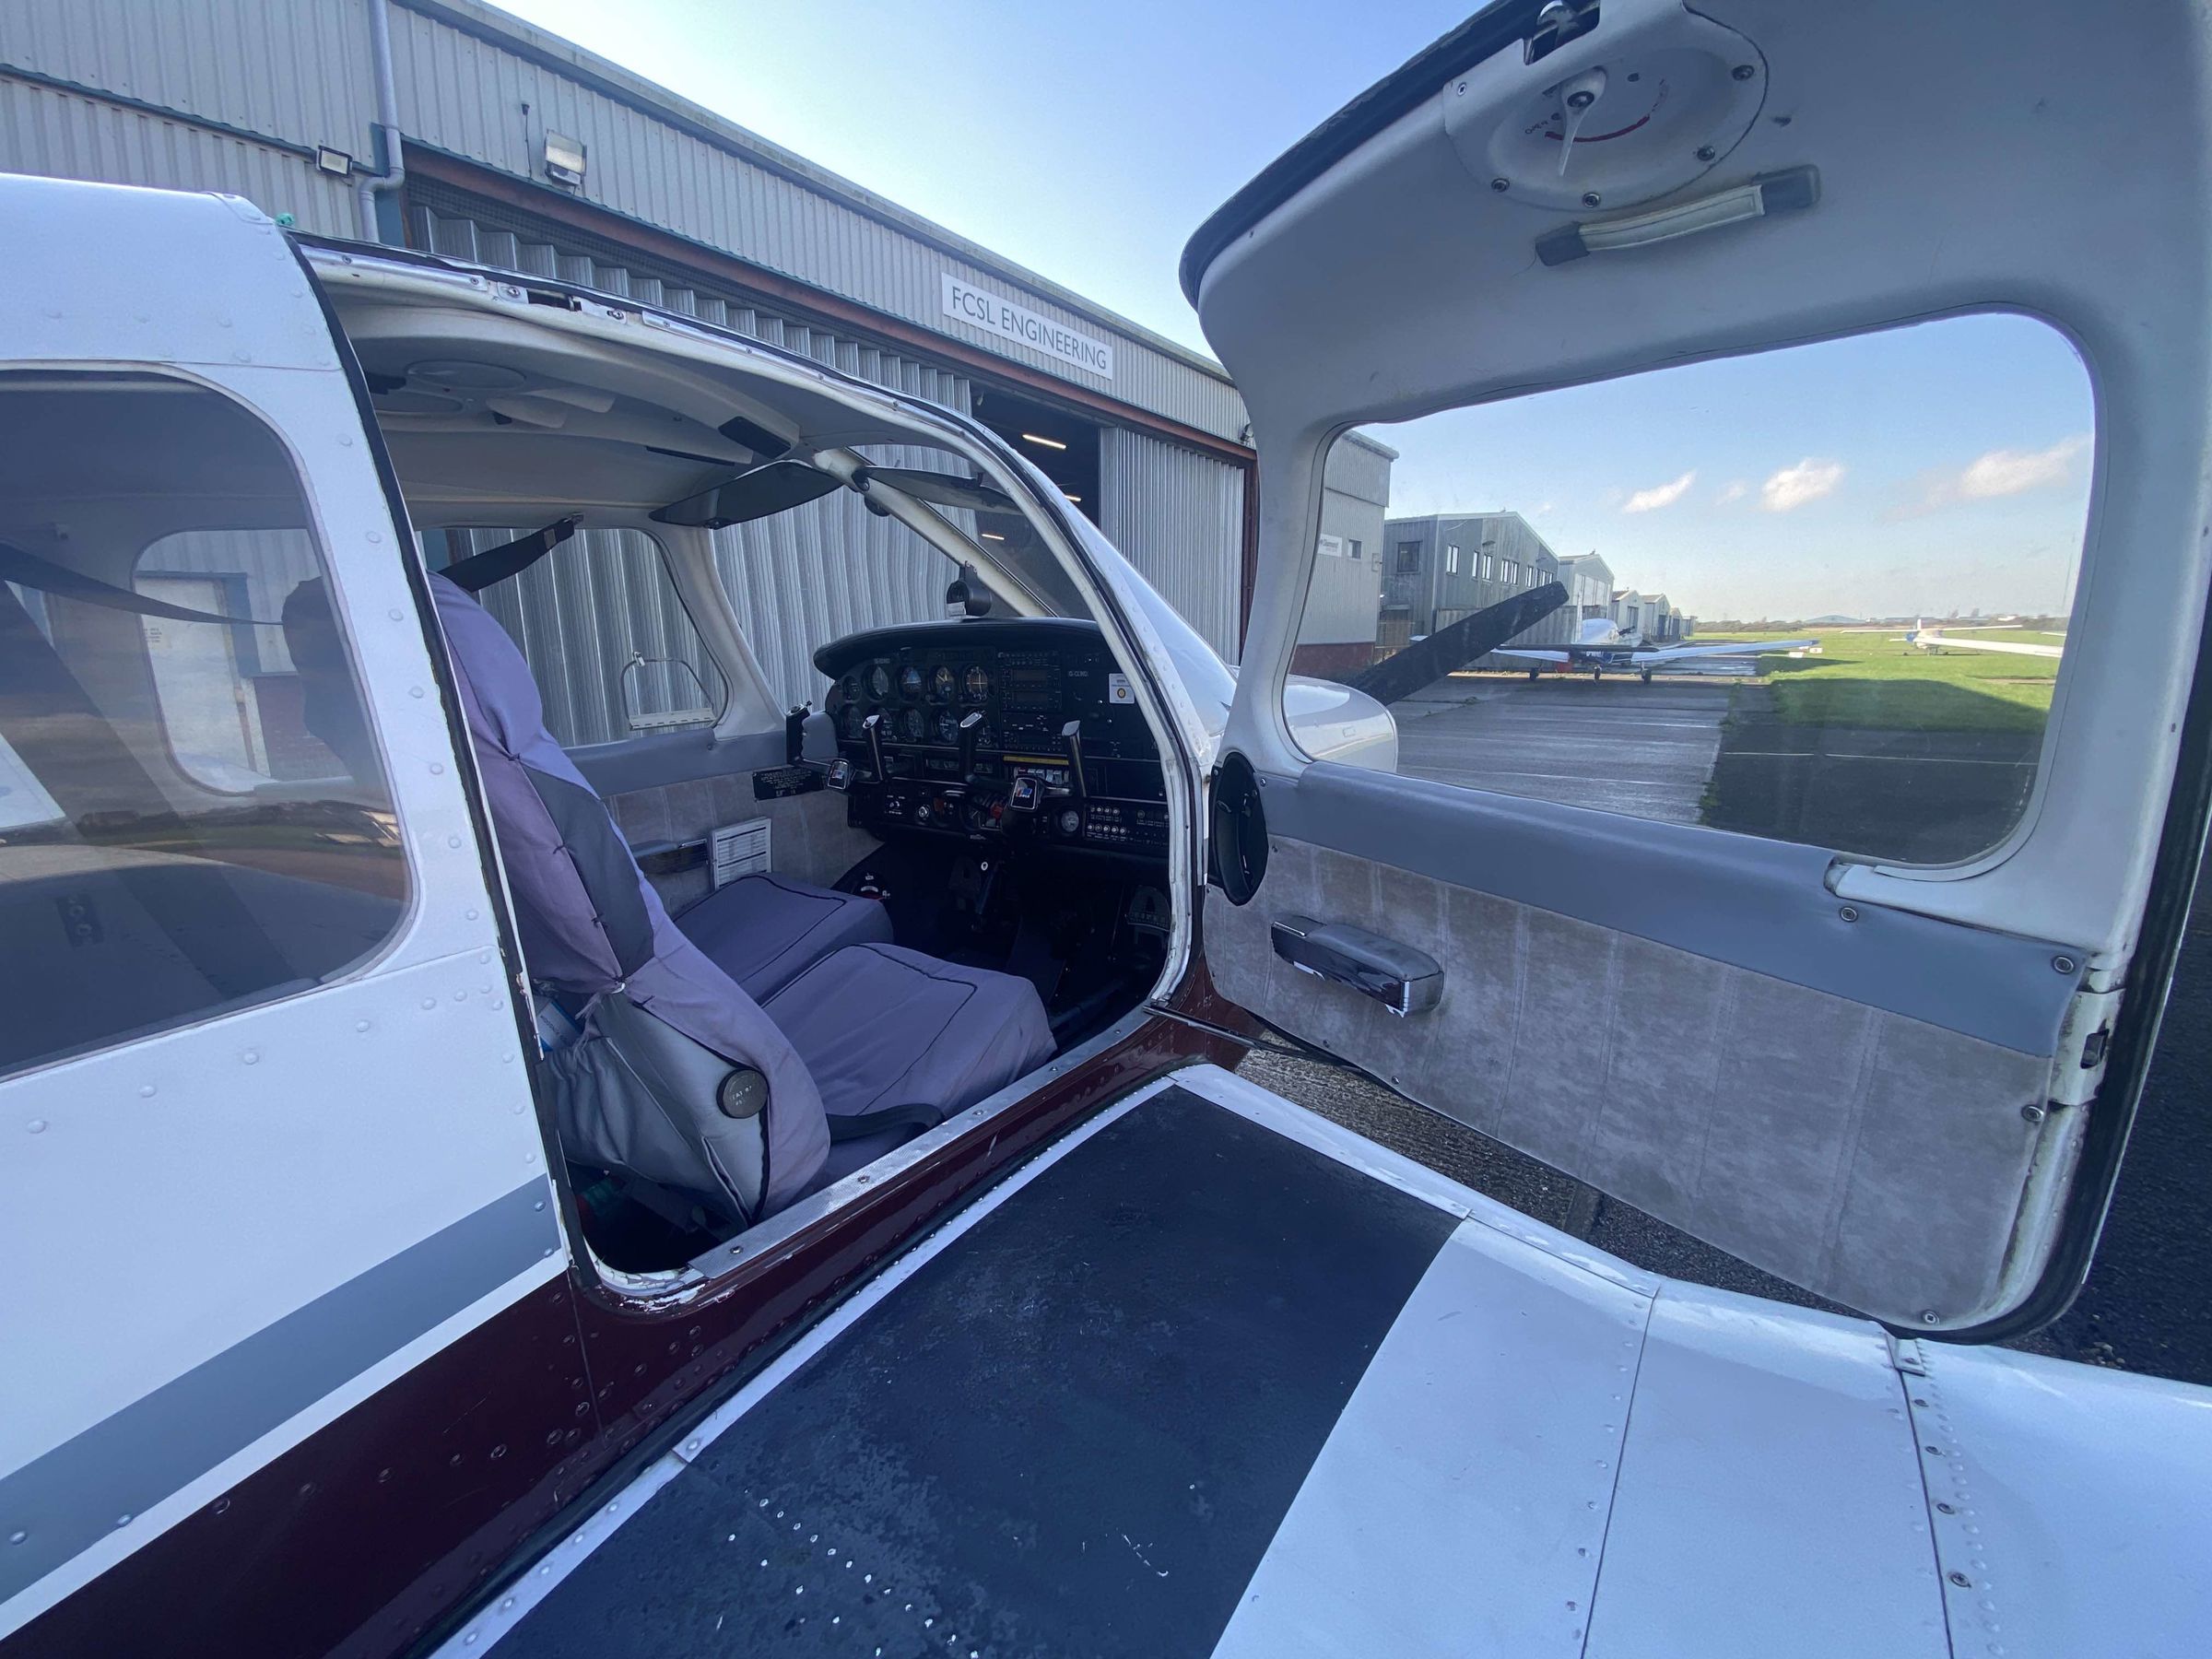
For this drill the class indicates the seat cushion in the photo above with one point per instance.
(764, 931)
(879, 1026)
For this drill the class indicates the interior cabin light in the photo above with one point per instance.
(1043, 442)
(992, 535)
(1790, 191)
(1076, 498)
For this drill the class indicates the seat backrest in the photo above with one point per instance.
(592, 928)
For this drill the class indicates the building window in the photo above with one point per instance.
(1451, 560)
(1409, 558)
(1352, 547)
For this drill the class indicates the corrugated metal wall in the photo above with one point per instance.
(65, 135)
(285, 74)
(291, 70)
(469, 96)
(1344, 601)
(297, 72)
(1178, 517)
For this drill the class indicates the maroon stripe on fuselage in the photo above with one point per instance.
(376, 1532)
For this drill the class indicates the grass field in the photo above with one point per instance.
(1870, 678)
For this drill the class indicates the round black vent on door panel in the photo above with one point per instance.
(1237, 848)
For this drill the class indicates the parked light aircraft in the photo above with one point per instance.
(1957, 638)
(441, 1219)
(1601, 645)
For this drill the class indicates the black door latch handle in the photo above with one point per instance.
(1402, 979)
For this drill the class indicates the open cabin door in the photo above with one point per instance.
(1899, 1078)
(270, 1149)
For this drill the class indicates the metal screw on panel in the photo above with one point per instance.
(1743, 72)
(1929, 1316)
(1850, 913)
(2065, 964)
(1591, 198)
(1947, 1508)
(1706, 152)
(1960, 1579)
(2032, 1113)
(1502, 185)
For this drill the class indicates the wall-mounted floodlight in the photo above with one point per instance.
(336, 163)
(1791, 190)
(564, 159)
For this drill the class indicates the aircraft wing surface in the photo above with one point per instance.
(2007, 647)
(1668, 653)
(1530, 654)
(1212, 1376)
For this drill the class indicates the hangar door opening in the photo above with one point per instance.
(1063, 446)
(1176, 514)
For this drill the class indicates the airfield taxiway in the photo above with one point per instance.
(1617, 743)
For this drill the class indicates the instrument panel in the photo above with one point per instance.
(987, 728)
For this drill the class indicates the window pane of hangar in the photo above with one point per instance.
(1818, 594)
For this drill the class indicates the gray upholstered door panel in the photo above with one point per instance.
(1874, 1159)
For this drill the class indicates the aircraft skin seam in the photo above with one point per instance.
(1906, 1384)
(1620, 1462)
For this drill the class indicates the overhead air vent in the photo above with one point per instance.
(1614, 112)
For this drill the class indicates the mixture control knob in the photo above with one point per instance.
(1071, 822)
(923, 814)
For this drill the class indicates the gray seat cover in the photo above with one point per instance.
(590, 923)
(765, 930)
(880, 1027)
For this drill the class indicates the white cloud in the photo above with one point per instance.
(1736, 490)
(1792, 487)
(1660, 495)
(2000, 472)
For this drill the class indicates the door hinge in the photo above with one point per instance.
(2083, 1040)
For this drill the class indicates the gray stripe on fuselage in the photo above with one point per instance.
(66, 1500)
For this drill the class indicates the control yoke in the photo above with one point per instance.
(873, 727)
(1071, 737)
(970, 725)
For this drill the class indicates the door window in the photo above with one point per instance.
(194, 816)
(1861, 553)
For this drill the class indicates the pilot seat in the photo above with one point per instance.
(771, 1043)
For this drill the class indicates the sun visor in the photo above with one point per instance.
(758, 493)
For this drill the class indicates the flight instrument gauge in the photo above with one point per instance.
(912, 723)
(977, 685)
(879, 683)
(940, 685)
(910, 683)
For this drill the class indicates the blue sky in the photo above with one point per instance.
(1936, 468)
